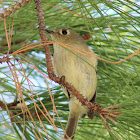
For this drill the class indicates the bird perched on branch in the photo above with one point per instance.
(76, 61)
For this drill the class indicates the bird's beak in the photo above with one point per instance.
(50, 32)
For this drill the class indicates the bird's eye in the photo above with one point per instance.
(64, 32)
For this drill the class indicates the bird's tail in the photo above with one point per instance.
(71, 126)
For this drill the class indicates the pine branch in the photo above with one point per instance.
(16, 6)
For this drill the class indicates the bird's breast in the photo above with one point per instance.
(76, 71)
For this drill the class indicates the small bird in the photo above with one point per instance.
(79, 70)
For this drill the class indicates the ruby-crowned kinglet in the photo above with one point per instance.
(79, 70)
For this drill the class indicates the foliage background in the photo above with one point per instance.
(115, 34)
